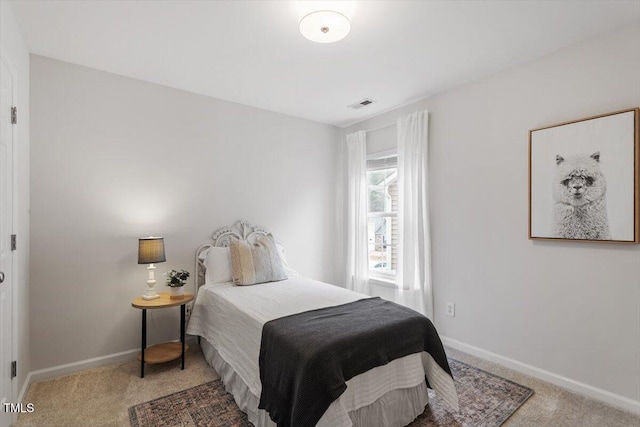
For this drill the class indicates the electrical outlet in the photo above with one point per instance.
(451, 309)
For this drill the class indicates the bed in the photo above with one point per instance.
(229, 320)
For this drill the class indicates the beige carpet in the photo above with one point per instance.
(102, 396)
(552, 406)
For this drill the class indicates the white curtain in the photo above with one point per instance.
(357, 254)
(414, 247)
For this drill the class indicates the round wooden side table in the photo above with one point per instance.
(167, 351)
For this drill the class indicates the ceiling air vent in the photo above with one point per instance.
(362, 103)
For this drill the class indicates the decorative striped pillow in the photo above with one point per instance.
(258, 263)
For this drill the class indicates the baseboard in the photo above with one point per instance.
(25, 388)
(564, 382)
(81, 365)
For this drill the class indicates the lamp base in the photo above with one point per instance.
(151, 283)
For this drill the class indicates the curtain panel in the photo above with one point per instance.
(414, 246)
(357, 253)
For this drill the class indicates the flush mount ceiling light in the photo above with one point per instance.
(325, 26)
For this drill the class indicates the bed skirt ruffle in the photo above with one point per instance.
(395, 408)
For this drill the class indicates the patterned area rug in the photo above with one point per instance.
(485, 400)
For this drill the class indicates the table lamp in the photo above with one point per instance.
(150, 251)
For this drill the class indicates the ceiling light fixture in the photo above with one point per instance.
(325, 26)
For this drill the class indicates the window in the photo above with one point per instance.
(382, 216)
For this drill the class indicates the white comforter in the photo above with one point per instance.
(231, 318)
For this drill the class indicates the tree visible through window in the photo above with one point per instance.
(382, 221)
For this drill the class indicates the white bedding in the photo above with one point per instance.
(231, 318)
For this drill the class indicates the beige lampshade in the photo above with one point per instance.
(151, 250)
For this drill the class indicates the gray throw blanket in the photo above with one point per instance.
(306, 358)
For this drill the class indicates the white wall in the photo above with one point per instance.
(15, 52)
(115, 159)
(382, 139)
(569, 308)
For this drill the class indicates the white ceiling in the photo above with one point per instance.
(251, 52)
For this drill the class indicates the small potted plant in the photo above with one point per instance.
(176, 281)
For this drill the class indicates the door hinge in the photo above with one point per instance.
(14, 115)
(14, 369)
(14, 242)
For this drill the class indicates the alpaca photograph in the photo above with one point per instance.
(583, 179)
(580, 208)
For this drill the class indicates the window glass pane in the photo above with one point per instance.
(376, 177)
(377, 199)
(392, 191)
(380, 183)
(381, 250)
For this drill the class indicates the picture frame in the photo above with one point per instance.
(584, 179)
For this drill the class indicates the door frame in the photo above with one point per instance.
(14, 225)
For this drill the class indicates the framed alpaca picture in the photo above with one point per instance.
(583, 179)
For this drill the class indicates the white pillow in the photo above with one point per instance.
(285, 265)
(217, 264)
